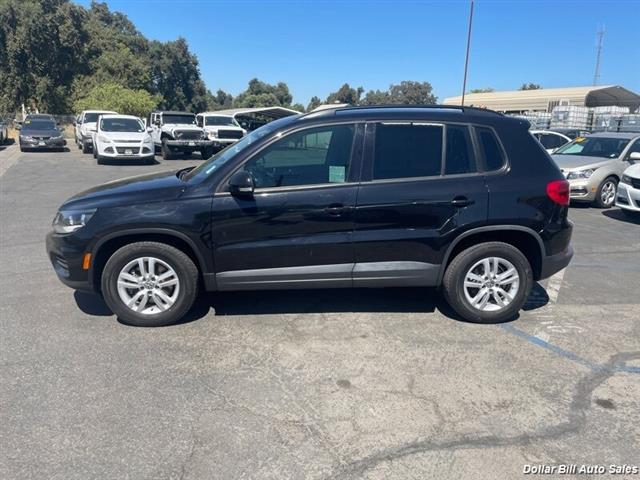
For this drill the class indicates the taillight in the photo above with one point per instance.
(558, 191)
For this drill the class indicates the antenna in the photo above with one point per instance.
(596, 74)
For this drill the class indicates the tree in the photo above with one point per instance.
(115, 97)
(314, 103)
(405, 93)
(298, 106)
(530, 86)
(222, 100)
(261, 94)
(346, 94)
(482, 90)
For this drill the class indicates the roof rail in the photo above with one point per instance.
(429, 106)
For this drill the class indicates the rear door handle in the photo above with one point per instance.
(460, 202)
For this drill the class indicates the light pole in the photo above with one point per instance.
(466, 60)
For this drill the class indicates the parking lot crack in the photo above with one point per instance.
(574, 423)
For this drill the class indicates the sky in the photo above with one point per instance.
(316, 46)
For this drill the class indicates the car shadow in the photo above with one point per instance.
(357, 300)
(120, 162)
(618, 214)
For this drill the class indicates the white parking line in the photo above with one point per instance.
(8, 157)
(553, 287)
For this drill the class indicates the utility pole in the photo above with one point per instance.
(466, 60)
(596, 74)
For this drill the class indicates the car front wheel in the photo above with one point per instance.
(606, 194)
(488, 283)
(149, 284)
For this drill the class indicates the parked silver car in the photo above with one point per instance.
(594, 165)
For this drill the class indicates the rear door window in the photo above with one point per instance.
(407, 150)
(459, 156)
(494, 158)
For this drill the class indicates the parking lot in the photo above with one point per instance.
(377, 384)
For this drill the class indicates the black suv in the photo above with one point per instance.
(453, 197)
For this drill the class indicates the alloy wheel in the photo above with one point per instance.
(491, 284)
(148, 285)
(608, 192)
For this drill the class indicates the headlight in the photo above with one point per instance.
(213, 134)
(580, 174)
(71, 220)
(147, 139)
(26, 138)
(103, 139)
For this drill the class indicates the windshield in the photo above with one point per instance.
(220, 121)
(594, 147)
(121, 125)
(179, 119)
(214, 163)
(39, 125)
(92, 117)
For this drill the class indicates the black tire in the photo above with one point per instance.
(207, 153)
(79, 143)
(180, 262)
(95, 152)
(99, 160)
(22, 149)
(454, 277)
(166, 152)
(599, 202)
(86, 148)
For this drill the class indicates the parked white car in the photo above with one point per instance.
(222, 129)
(178, 133)
(628, 195)
(551, 141)
(122, 137)
(85, 126)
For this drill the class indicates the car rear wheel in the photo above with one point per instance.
(488, 283)
(606, 194)
(85, 148)
(149, 284)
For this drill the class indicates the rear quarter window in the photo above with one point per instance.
(492, 153)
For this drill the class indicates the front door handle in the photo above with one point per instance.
(460, 202)
(336, 209)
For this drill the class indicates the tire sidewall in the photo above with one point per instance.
(110, 288)
(599, 201)
(457, 298)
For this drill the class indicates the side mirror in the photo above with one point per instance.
(241, 184)
(18, 126)
(93, 129)
(149, 130)
(635, 156)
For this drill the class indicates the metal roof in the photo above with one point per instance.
(544, 99)
(273, 112)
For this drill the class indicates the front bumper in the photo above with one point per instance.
(628, 197)
(137, 151)
(582, 190)
(66, 255)
(189, 145)
(554, 263)
(43, 144)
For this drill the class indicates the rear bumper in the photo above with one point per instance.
(554, 263)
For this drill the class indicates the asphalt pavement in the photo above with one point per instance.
(344, 384)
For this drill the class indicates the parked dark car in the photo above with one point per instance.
(460, 198)
(40, 134)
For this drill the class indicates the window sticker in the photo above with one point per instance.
(579, 139)
(337, 174)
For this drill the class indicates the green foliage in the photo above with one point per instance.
(530, 86)
(482, 90)
(314, 103)
(111, 96)
(404, 93)
(298, 106)
(346, 94)
(53, 53)
(261, 94)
